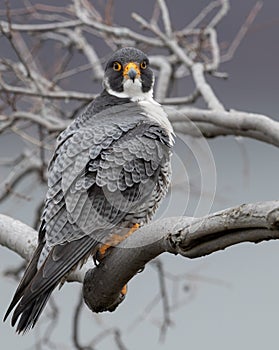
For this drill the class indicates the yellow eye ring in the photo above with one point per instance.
(117, 66)
(143, 65)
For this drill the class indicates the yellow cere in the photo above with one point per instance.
(129, 66)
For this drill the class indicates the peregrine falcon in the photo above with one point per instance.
(108, 174)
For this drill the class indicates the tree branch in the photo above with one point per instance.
(42, 27)
(27, 164)
(222, 122)
(204, 88)
(60, 94)
(189, 237)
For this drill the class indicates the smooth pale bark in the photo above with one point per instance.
(186, 236)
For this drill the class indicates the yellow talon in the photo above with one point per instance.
(124, 290)
(132, 230)
(115, 240)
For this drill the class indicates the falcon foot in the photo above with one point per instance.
(113, 241)
(124, 290)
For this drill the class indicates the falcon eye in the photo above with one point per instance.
(143, 65)
(116, 66)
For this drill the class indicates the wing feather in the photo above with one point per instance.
(105, 168)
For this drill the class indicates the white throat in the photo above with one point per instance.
(132, 90)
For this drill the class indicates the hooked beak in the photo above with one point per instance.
(131, 71)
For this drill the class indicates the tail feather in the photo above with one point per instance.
(28, 276)
(29, 314)
(36, 286)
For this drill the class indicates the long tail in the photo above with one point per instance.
(36, 286)
(29, 314)
(28, 276)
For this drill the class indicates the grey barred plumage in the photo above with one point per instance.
(110, 170)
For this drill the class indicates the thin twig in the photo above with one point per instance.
(242, 32)
(59, 95)
(165, 17)
(164, 299)
(76, 325)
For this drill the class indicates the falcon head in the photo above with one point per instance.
(128, 75)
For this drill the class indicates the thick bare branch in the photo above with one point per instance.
(220, 122)
(189, 237)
